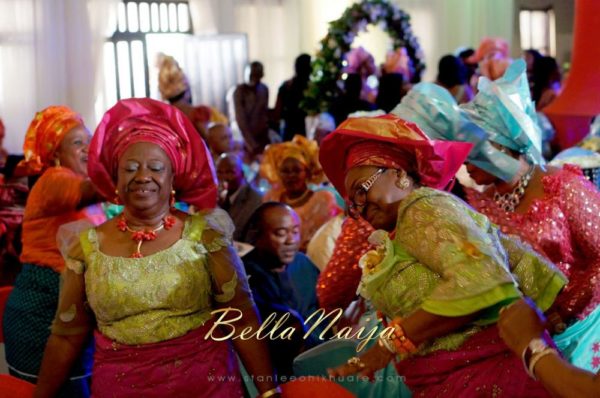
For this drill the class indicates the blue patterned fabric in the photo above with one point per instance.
(580, 343)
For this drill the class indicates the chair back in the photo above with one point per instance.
(12, 387)
(4, 293)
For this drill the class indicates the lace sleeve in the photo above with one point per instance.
(67, 240)
(441, 234)
(72, 315)
(537, 277)
(230, 284)
(220, 223)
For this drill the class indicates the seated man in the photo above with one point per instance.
(236, 196)
(282, 279)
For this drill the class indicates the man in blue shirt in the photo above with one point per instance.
(282, 279)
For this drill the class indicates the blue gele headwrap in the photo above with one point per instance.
(504, 109)
(436, 112)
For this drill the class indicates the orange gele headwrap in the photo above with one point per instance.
(300, 148)
(43, 137)
(390, 142)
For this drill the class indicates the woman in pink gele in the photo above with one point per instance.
(146, 282)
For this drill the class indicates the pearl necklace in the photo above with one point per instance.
(143, 235)
(510, 201)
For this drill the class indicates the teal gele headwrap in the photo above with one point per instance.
(436, 112)
(504, 109)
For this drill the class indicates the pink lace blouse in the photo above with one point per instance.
(564, 226)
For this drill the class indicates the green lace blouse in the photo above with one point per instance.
(153, 298)
(449, 260)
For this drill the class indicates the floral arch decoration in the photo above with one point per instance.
(329, 61)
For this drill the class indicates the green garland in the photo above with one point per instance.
(327, 66)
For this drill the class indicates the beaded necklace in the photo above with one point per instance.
(145, 234)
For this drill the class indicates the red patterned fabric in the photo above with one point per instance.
(10, 219)
(337, 284)
(146, 120)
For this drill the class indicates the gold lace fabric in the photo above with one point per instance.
(158, 297)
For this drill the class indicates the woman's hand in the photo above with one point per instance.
(366, 365)
(519, 323)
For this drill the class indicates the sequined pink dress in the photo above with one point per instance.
(564, 226)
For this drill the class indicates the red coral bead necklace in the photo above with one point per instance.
(145, 234)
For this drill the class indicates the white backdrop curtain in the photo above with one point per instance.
(49, 54)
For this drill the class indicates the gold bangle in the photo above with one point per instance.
(387, 344)
(270, 393)
(356, 361)
(536, 357)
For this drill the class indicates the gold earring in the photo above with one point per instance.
(56, 162)
(404, 182)
(172, 201)
(117, 201)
